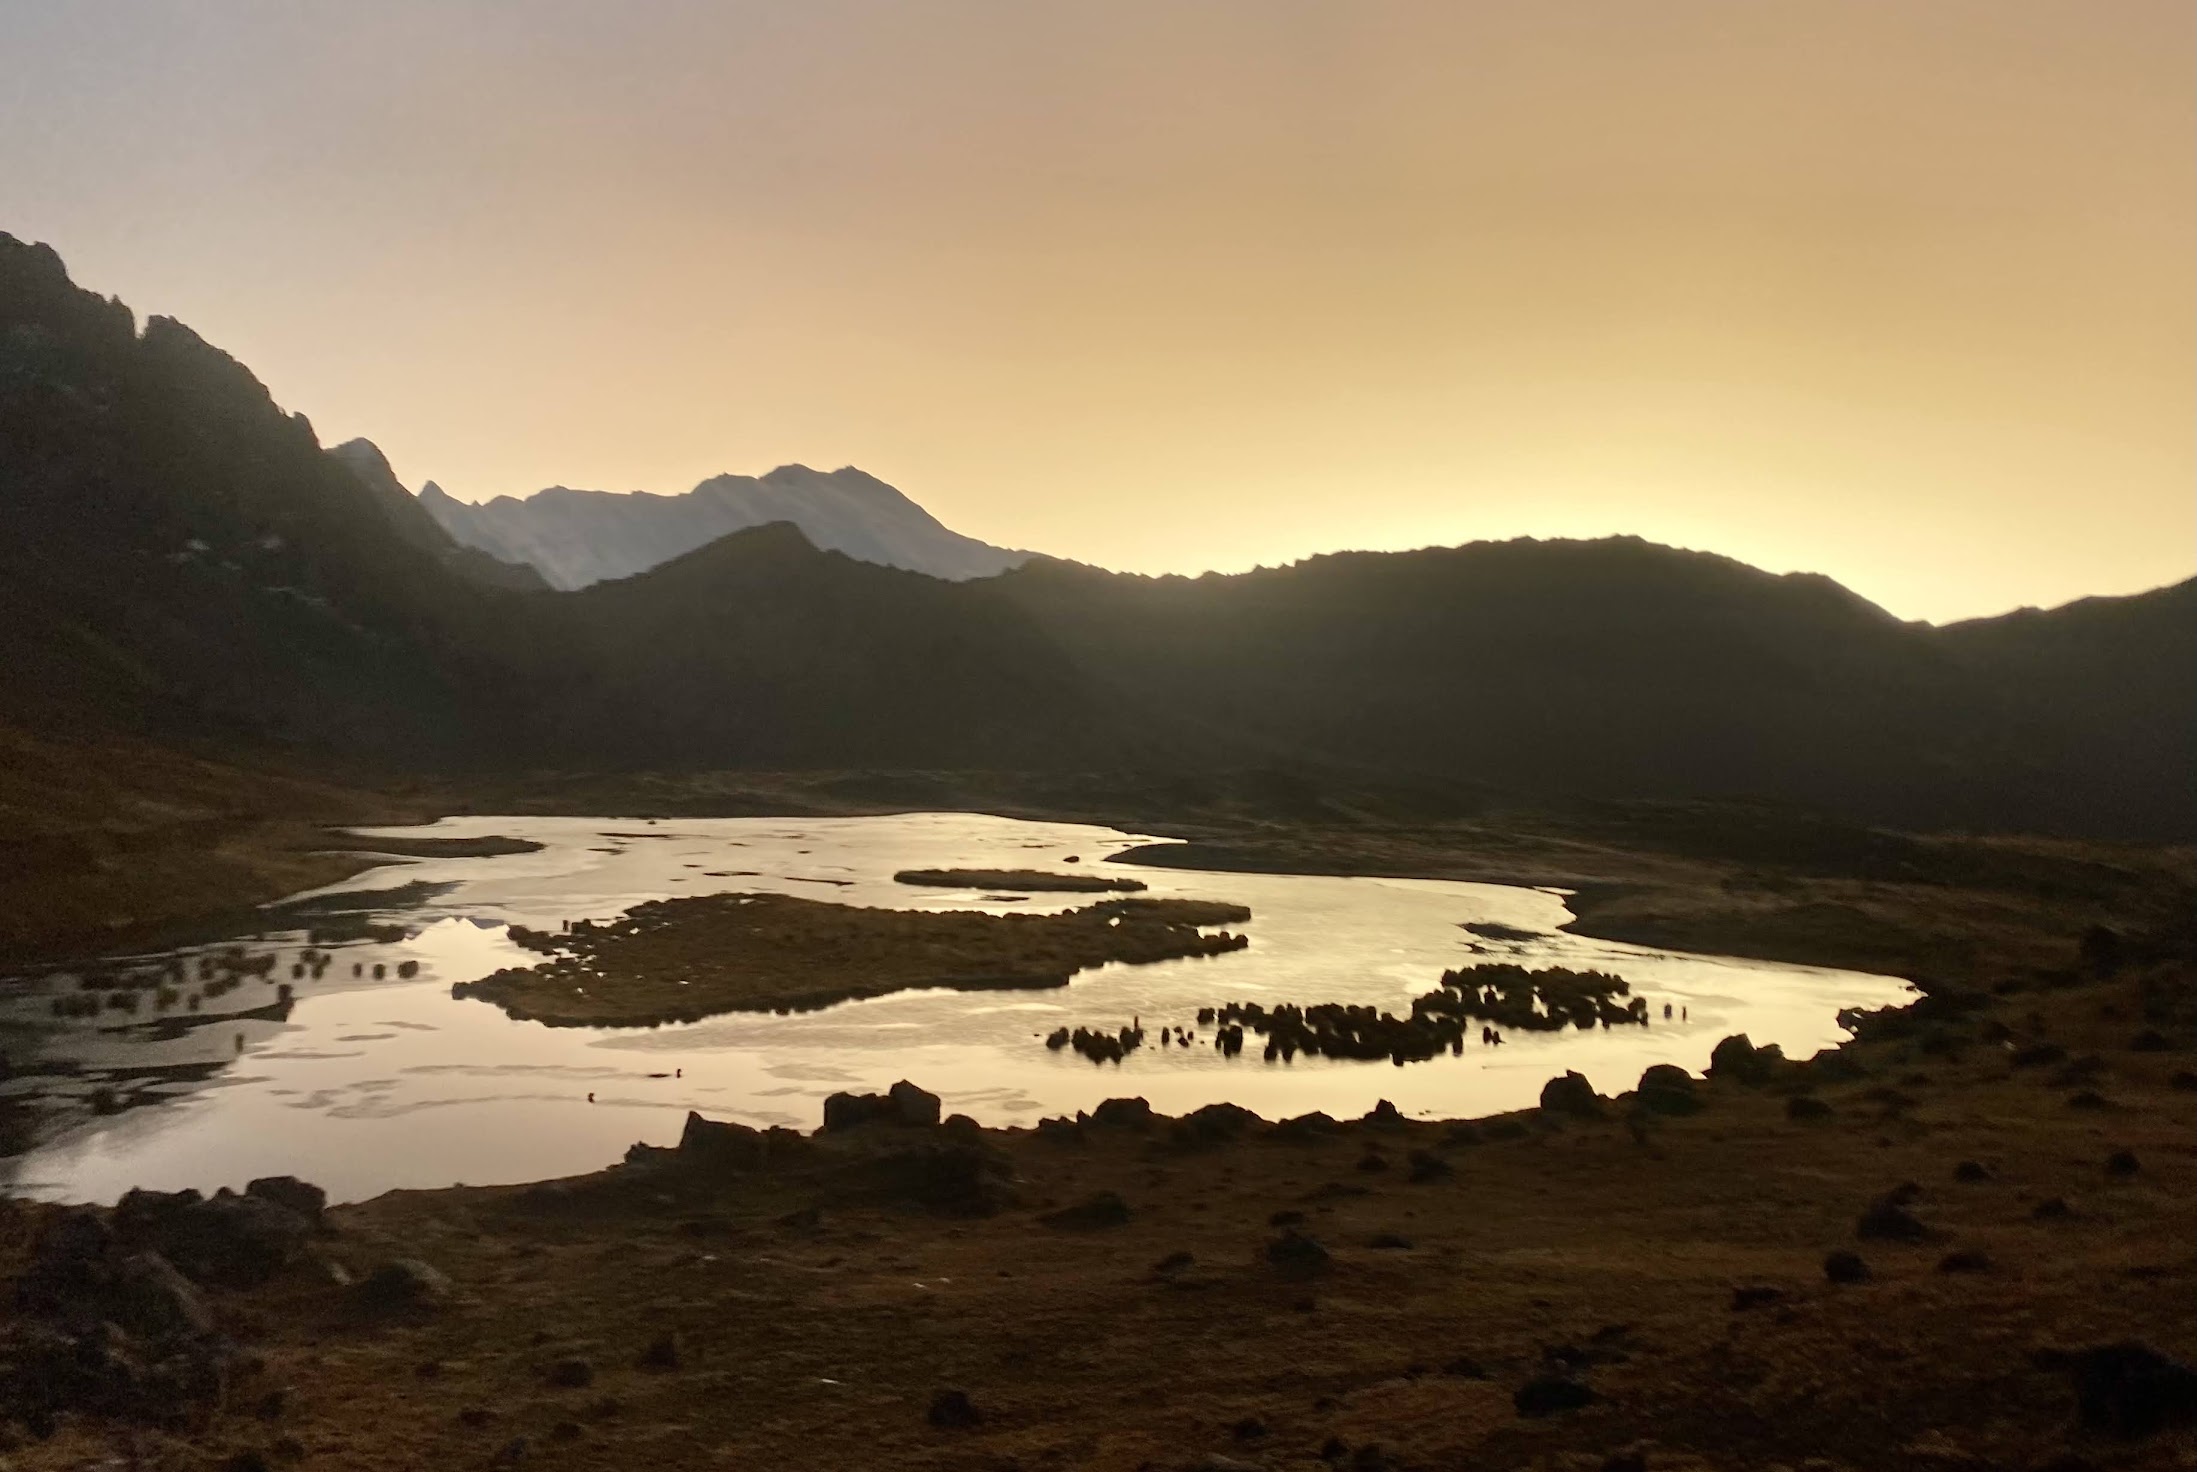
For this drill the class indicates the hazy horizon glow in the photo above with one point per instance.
(1899, 291)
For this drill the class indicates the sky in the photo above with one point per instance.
(1901, 291)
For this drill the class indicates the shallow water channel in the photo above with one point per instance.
(364, 1082)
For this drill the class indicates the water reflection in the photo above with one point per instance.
(338, 1054)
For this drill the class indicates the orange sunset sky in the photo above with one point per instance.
(1896, 290)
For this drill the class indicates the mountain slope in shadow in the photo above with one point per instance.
(179, 558)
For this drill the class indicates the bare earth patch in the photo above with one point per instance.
(680, 960)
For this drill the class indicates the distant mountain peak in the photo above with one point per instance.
(577, 537)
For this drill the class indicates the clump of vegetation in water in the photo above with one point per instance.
(1495, 996)
(678, 960)
(1535, 1001)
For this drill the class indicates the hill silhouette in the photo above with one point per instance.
(180, 558)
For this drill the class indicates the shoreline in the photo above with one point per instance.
(1651, 1280)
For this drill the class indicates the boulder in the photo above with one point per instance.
(2127, 1389)
(844, 1111)
(721, 1142)
(1106, 1209)
(72, 1260)
(950, 1178)
(1214, 1124)
(1843, 1266)
(236, 1241)
(1133, 1113)
(912, 1105)
(1427, 1166)
(1886, 1219)
(403, 1284)
(303, 1197)
(1665, 1088)
(1548, 1395)
(149, 1297)
(1570, 1094)
(903, 1104)
(1295, 1254)
(570, 1373)
(1739, 1060)
(952, 1410)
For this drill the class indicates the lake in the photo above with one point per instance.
(350, 1064)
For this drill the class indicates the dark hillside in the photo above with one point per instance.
(2097, 710)
(178, 555)
(1605, 668)
(760, 650)
(179, 559)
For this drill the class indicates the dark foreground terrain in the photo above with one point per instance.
(1968, 1239)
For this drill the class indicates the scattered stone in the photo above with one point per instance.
(1570, 1094)
(1297, 1255)
(1250, 1428)
(1172, 1264)
(1972, 1171)
(1665, 1088)
(2184, 1079)
(1802, 1108)
(952, 1410)
(2088, 1099)
(1390, 1242)
(663, 1352)
(1965, 1260)
(1287, 1217)
(512, 1452)
(1887, 1220)
(1843, 1266)
(2052, 1209)
(570, 1373)
(1549, 1395)
(2122, 1163)
(2038, 1055)
(1105, 1209)
(1755, 1296)
(1465, 1367)
(1216, 1462)
(2150, 1040)
(1372, 1160)
(1426, 1166)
